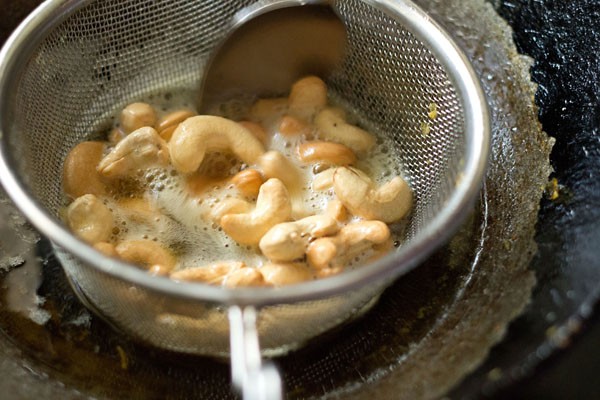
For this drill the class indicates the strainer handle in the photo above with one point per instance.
(255, 379)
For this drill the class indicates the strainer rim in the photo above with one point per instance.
(477, 121)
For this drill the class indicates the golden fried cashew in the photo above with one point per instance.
(272, 207)
(326, 152)
(281, 274)
(136, 116)
(229, 206)
(90, 219)
(273, 164)
(147, 254)
(333, 127)
(352, 240)
(257, 130)
(336, 210)
(307, 97)
(141, 149)
(79, 170)
(244, 277)
(213, 274)
(323, 180)
(248, 182)
(292, 126)
(388, 203)
(167, 124)
(138, 209)
(197, 135)
(288, 241)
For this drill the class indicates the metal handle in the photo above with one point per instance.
(255, 379)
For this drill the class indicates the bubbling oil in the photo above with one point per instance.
(168, 207)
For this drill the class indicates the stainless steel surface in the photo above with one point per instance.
(96, 56)
(271, 44)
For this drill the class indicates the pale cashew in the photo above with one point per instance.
(336, 210)
(279, 274)
(257, 130)
(292, 126)
(273, 164)
(307, 97)
(272, 207)
(79, 170)
(167, 124)
(147, 254)
(213, 274)
(264, 110)
(288, 241)
(197, 135)
(136, 116)
(90, 219)
(248, 182)
(141, 149)
(333, 127)
(388, 203)
(323, 180)
(229, 206)
(351, 241)
(327, 152)
(138, 209)
(244, 277)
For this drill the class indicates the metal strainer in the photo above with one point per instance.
(71, 64)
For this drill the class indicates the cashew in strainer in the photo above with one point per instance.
(351, 241)
(288, 241)
(326, 152)
(292, 126)
(336, 210)
(244, 277)
(147, 254)
(141, 149)
(167, 124)
(281, 274)
(272, 207)
(388, 203)
(323, 180)
(197, 135)
(273, 164)
(307, 97)
(248, 182)
(106, 248)
(230, 205)
(333, 127)
(213, 274)
(90, 219)
(79, 170)
(136, 116)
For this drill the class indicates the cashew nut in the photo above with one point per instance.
(352, 240)
(279, 274)
(229, 206)
(264, 110)
(106, 248)
(136, 116)
(197, 135)
(244, 277)
(213, 274)
(138, 209)
(327, 152)
(257, 130)
(323, 180)
(167, 124)
(307, 97)
(272, 207)
(248, 182)
(275, 165)
(336, 210)
(333, 127)
(141, 149)
(292, 126)
(90, 219)
(147, 254)
(288, 241)
(79, 170)
(358, 194)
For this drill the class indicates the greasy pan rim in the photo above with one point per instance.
(21, 44)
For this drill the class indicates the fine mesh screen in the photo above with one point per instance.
(110, 52)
